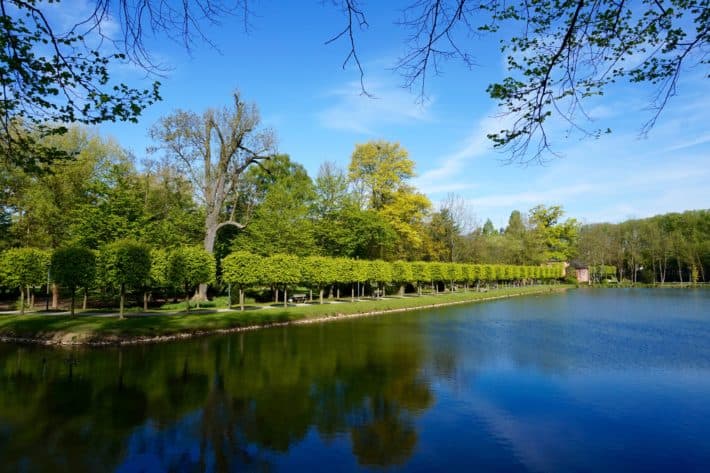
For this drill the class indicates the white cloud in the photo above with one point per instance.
(355, 112)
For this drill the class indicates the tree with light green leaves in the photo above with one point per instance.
(282, 271)
(24, 268)
(402, 274)
(319, 272)
(476, 274)
(421, 273)
(242, 269)
(380, 273)
(466, 270)
(190, 266)
(124, 264)
(436, 271)
(74, 267)
(452, 273)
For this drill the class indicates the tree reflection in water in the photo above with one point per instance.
(212, 404)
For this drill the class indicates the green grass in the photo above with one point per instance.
(98, 329)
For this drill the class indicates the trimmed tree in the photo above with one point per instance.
(74, 267)
(24, 268)
(124, 264)
(452, 272)
(379, 272)
(420, 274)
(402, 274)
(436, 271)
(282, 270)
(190, 266)
(319, 271)
(242, 269)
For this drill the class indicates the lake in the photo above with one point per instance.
(588, 380)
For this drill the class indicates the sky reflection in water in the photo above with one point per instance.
(593, 380)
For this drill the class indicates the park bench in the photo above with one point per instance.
(298, 298)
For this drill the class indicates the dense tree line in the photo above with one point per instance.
(669, 247)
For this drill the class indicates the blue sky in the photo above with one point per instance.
(318, 114)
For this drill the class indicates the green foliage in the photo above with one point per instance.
(124, 263)
(378, 169)
(70, 85)
(421, 271)
(159, 267)
(242, 269)
(436, 272)
(557, 239)
(402, 272)
(24, 267)
(190, 266)
(318, 271)
(73, 267)
(281, 269)
(283, 195)
(379, 271)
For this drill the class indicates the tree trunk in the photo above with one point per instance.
(145, 301)
(276, 295)
(73, 296)
(22, 301)
(680, 272)
(86, 298)
(241, 299)
(122, 299)
(285, 298)
(55, 296)
(338, 293)
(401, 290)
(352, 293)
(321, 295)
(187, 298)
(211, 225)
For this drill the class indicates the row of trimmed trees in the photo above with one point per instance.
(244, 270)
(123, 265)
(128, 265)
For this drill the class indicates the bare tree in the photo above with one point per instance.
(212, 150)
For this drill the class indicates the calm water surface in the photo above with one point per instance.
(591, 380)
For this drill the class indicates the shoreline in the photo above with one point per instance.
(68, 338)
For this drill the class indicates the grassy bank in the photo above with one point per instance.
(102, 329)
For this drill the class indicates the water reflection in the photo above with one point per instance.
(587, 381)
(217, 404)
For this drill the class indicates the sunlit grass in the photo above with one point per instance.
(95, 327)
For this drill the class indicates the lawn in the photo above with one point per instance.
(102, 328)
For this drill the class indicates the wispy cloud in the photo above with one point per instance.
(450, 166)
(353, 111)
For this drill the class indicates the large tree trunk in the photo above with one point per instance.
(22, 301)
(123, 298)
(187, 298)
(241, 299)
(321, 295)
(285, 297)
(86, 298)
(55, 296)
